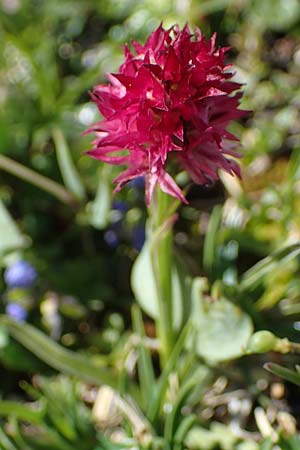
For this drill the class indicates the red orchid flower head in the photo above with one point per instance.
(169, 105)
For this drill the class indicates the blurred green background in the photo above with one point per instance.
(82, 240)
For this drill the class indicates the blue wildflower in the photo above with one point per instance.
(16, 312)
(21, 274)
(120, 205)
(137, 183)
(138, 237)
(111, 238)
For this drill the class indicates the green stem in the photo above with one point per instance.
(162, 256)
(17, 169)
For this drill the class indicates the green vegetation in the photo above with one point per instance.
(78, 349)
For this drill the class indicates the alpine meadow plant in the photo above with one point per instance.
(167, 109)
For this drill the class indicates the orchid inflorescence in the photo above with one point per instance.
(169, 105)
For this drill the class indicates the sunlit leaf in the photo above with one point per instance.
(144, 287)
(10, 236)
(67, 167)
(223, 329)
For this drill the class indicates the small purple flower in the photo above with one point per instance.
(138, 237)
(137, 183)
(16, 312)
(111, 238)
(120, 205)
(21, 274)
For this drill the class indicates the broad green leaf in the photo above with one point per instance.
(67, 167)
(223, 329)
(10, 236)
(144, 287)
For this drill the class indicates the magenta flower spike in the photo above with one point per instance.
(169, 105)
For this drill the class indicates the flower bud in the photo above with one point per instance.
(262, 342)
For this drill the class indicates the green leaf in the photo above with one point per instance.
(223, 329)
(283, 372)
(267, 444)
(182, 430)
(145, 366)
(171, 423)
(212, 233)
(144, 287)
(60, 408)
(289, 443)
(294, 167)
(201, 435)
(15, 432)
(56, 356)
(14, 357)
(6, 442)
(100, 207)
(10, 236)
(22, 411)
(277, 260)
(158, 394)
(219, 436)
(67, 167)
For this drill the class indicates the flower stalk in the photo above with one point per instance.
(162, 257)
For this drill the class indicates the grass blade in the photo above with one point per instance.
(283, 372)
(56, 356)
(145, 367)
